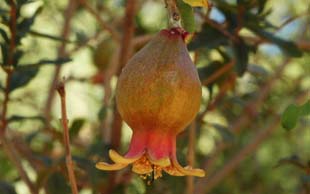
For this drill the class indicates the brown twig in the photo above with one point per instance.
(69, 163)
(173, 13)
(248, 114)
(219, 73)
(68, 13)
(15, 159)
(205, 186)
(191, 156)
(8, 68)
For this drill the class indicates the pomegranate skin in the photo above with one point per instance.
(159, 88)
(158, 94)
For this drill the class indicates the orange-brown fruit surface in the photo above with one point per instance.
(158, 94)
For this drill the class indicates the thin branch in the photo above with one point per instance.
(174, 16)
(245, 118)
(69, 163)
(191, 156)
(8, 67)
(219, 73)
(68, 14)
(15, 159)
(205, 186)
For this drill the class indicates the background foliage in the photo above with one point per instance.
(254, 63)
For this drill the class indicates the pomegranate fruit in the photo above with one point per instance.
(158, 94)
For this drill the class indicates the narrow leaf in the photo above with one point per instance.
(17, 118)
(288, 47)
(21, 77)
(45, 62)
(4, 53)
(4, 35)
(242, 57)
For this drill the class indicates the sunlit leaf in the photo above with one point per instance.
(290, 116)
(292, 113)
(197, 3)
(187, 16)
(208, 38)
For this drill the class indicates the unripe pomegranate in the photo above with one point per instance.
(103, 53)
(158, 94)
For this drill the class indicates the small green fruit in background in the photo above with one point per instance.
(103, 54)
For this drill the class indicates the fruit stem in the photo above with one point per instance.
(173, 14)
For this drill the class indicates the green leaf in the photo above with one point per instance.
(24, 26)
(46, 62)
(21, 77)
(241, 52)
(17, 56)
(187, 16)
(305, 109)
(4, 35)
(292, 113)
(49, 36)
(76, 126)
(17, 118)
(3, 12)
(288, 47)
(4, 53)
(6, 188)
(102, 113)
(209, 37)
(290, 117)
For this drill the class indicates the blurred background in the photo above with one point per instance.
(252, 134)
